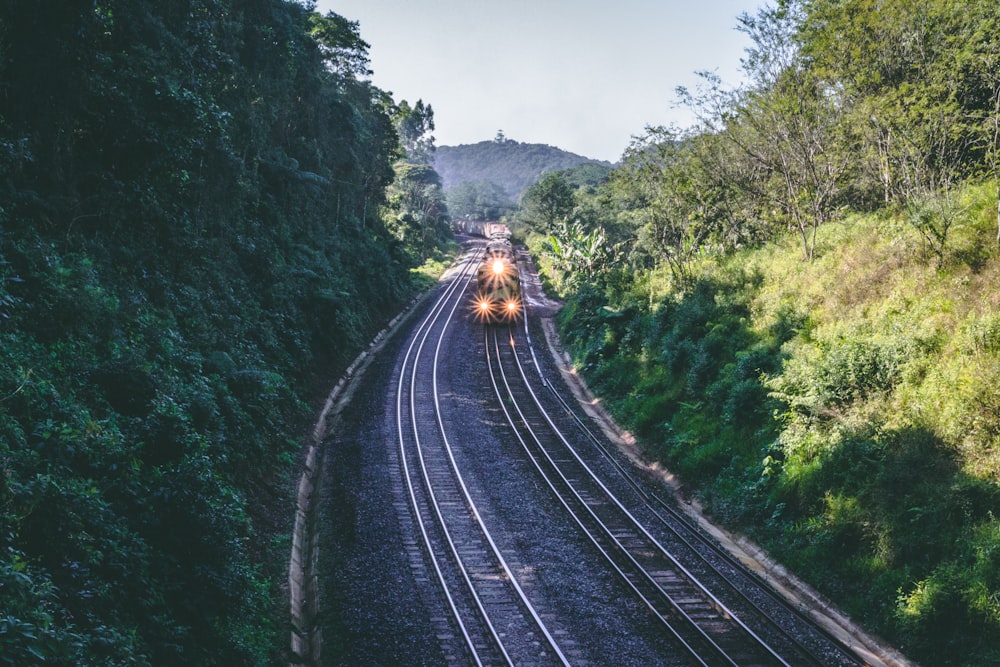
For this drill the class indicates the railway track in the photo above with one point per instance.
(750, 594)
(709, 609)
(493, 621)
(699, 593)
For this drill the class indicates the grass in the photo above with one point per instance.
(427, 274)
(843, 411)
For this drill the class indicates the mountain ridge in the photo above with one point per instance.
(513, 165)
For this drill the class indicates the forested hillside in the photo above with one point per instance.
(503, 162)
(793, 304)
(205, 211)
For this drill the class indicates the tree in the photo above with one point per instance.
(483, 200)
(339, 40)
(978, 62)
(790, 124)
(934, 217)
(546, 203)
(918, 80)
(185, 183)
(414, 125)
(418, 212)
(676, 188)
(579, 255)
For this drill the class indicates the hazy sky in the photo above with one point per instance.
(583, 75)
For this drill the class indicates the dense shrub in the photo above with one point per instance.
(848, 420)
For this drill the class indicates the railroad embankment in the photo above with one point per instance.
(841, 412)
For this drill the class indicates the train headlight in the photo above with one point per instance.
(484, 306)
(512, 307)
(498, 267)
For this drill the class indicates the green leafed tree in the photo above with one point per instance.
(661, 193)
(415, 124)
(417, 212)
(580, 256)
(918, 81)
(188, 252)
(339, 40)
(547, 203)
(789, 125)
(483, 200)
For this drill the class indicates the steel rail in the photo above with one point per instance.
(425, 325)
(653, 502)
(561, 498)
(453, 295)
(638, 525)
(468, 496)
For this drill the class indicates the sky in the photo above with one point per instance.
(582, 75)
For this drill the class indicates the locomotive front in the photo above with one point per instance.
(498, 285)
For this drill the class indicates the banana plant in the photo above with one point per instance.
(579, 255)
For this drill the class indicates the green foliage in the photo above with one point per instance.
(427, 275)
(547, 203)
(670, 371)
(848, 105)
(921, 78)
(29, 634)
(656, 182)
(804, 327)
(844, 412)
(416, 212)
(588, 176)
(190, 249)
(414, 125)
(577, 256)
(480, 201)
(340, 43)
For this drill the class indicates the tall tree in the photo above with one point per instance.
(915, 78)
(414, 125)
(546, 203)
(339, 40)
(790, 125)
(654, 183)
(418, 212)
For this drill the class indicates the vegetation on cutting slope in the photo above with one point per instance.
(793, 304)
(206, 211)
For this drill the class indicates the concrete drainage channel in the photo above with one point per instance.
(303, 577)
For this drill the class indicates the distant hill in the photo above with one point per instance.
(510, 164)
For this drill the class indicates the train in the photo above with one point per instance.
(498, 282)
